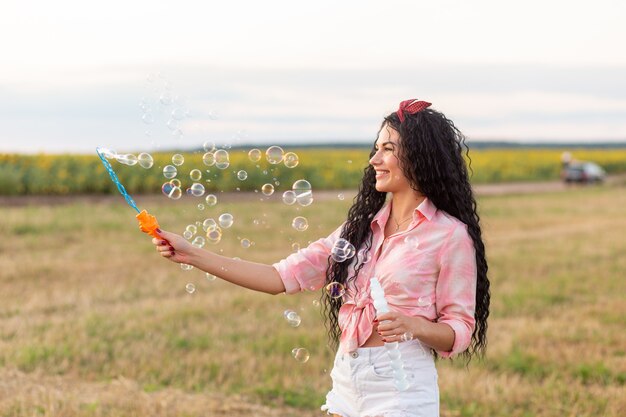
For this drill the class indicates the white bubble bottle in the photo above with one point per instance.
(381, 306)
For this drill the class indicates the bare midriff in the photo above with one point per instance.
(374, 340)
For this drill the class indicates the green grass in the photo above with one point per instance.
(86, 303)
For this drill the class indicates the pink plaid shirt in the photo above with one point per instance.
(428, 270)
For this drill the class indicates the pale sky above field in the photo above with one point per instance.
(74, 74)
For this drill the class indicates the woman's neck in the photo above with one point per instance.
(403, 204)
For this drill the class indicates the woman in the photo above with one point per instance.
(425, 248)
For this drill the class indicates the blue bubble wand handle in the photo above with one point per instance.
(116, 180)
(147, 222)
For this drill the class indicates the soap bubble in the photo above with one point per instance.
(302, 190)
(175, 182)
(335, 290)
(169, 171)
(295, 247)
(145, 160)
(341, 197)
(178, 159)
(267, 189)
(245, 243)
(196, 189)
(186, 267)
(107, 153)
(214, 235)
(192, 228)
(291, 160)
(292, 318)
(190, 288)
(225, 220)
(166, 98)
(208, 146)
(412, 241)
(300, 224)
(364, 256)
(274, 155)
(172, 124)
(316, 303)
(198, 242)
(401, 384)
(342, 250)
(394, 354)
(208, 224)
(211, 200)
(289, 197)
(208, 159)
(242, 175)
(406, 337)
(127, 159)
(179, 113)
(195, 175)
(148, 118)
(300, 354)
(187, 234)
(210, 277)
(424, 302)
(222, 159)
(178, 133)
(254, 155)
(171, 191)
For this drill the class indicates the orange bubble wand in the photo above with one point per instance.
(147, 222)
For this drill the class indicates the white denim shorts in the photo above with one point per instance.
(363, 383)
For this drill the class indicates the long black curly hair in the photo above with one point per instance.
(430, 154)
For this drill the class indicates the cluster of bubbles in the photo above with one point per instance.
(301, 192)
(165, 103)
(381, 306)
(275, 155)
(172, 190)
(144, 159)
(210, 230)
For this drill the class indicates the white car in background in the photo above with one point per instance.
(583, 172)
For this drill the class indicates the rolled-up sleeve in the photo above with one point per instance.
(456, 288)
(306, 269)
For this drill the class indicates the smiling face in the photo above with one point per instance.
(389, 175)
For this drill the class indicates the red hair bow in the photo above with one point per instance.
(411, 107)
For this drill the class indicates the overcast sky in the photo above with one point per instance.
(76, 75)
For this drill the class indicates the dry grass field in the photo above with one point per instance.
(94, 323)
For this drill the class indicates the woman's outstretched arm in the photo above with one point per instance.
(252, 275)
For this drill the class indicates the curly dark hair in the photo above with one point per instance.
(430, 153)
